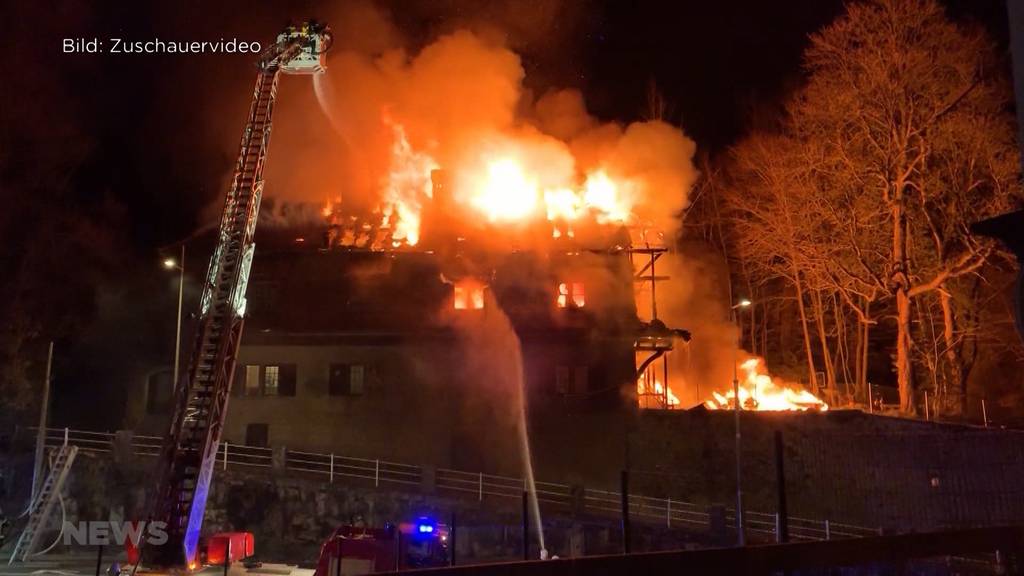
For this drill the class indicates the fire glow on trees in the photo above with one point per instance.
(759, 391)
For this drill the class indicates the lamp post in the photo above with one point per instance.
(740, 539)
(170, 264)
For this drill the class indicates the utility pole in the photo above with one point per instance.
(177, 333)
(170, 264)
(37, 471)
(740, 536)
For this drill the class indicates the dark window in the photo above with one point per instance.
(286, 382)
(238, 382)
(571, 380)
(562, 379)
(158, 393)
(347, 380)
(257, 435)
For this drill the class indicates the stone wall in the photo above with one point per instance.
(291, 516)
(847, 466)
(850, 467)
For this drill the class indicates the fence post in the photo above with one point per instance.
(984, 413)
(871, 401)
(624, 494)
(480, 488)
(782, 510)
(451, 540)
(927, 416)
(66, 430)
(376, 473)
(668, 513)
(828, 530)
(526, 525)
(225, 466)
(332, 467)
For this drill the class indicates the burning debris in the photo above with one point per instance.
(759, 391)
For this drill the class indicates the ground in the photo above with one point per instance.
(85, 564)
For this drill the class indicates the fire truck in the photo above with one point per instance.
(200, 399)
(351, 551)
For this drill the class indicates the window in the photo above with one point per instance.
(570, 294)
(252, 380)
(562, 379)
(257, 435)
(469, 295)
(571, 379)
(271, 378)
(347, 380)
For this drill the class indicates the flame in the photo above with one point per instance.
(571, 292)
(468, 295)
(648, 386)
(507, 192)
(759, 391)
(562, 204)
(605, 198)
(513, 185)
(407, 183)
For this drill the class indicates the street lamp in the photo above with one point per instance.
(741, 305)
(170, 264)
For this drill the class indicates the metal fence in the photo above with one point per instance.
(668, 512)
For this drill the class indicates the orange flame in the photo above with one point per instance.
(759, 391)
(507, 192)
(405, 186)
(468, 295)
(515, 185)
(653, 394)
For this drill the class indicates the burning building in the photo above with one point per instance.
(380, 329)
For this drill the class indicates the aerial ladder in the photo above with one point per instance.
(201, 397)
(42, 507)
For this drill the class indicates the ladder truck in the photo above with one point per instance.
(200, 400)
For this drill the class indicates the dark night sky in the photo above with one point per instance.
(148, 140)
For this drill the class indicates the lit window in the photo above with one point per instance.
(469, 295)
(252, 380)
(571, 293)
(271, 379)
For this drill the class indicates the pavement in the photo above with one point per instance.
(85, 565)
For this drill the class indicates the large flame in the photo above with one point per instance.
(759, 391)
(406, 186)
(519, 184)
(506, 192)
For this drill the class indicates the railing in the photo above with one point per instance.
(666, 511)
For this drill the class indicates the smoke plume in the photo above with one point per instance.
(460, 100)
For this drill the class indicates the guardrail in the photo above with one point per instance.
(667, 511)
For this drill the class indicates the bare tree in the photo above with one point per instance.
(909, 111)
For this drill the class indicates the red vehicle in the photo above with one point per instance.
(351, 551)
